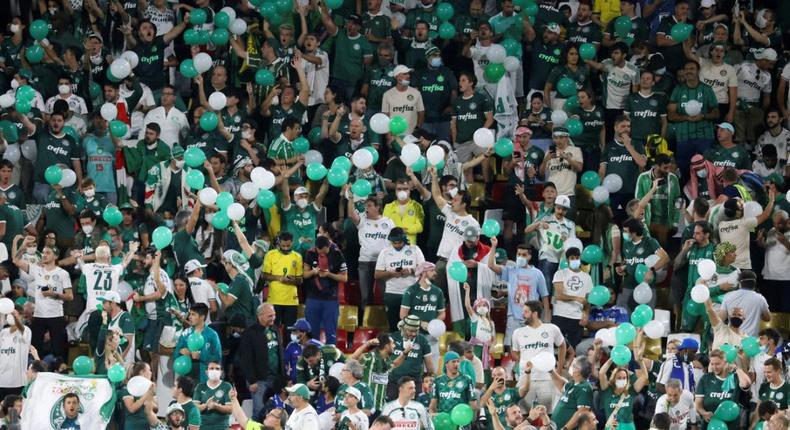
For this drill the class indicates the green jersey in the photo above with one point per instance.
(703, 93)
(424, 304)
(279, 114)
(302, 224)
(213, 419)
(99, 152)
(639, 29)
(241, 290)
(281, 149)
(185, 248)
(736, 157)
(53, 150)
(191, 413)
(152, 61)
(470, 114)
(635, 254)
(450, 392)
(779, 395)
(436, 87)
(329, 356)
(593, 121)
(95, 205)
(133, 420)
(588, 32)
(536, 122)
(610, 400)
(435, 220)
(376, 376)
(57, 219)
(620, 162)
(366, 402)
(414, 362)
(573, 397)
(14, 221)
(15, 196)
(581, 76)
(377, 25)
(695, 254)
(466, 24)
(646, 114)
(379, 81)
(425, 15)
(350, 54)
(715, 390)
(501, 402)
(544, 59)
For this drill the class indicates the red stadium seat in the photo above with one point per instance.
(499, 316)
(378, 293)
(361, 336)
(341, 293)
(342, 341)
(498, 191)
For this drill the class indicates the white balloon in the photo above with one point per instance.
(435, 155)
(248, 190)
(69, 178)
(7, 100)
(313, 156)
(362, 158)
(607, 336)
(380, 123)
(12, 153)
(613, 182)
(256, 176)
(238, 27)
(706, 269)
(6, 305)
(544, 361)
(651, 260)
(559, 118)
(693, 107)
(600, 194)
(512, 64)
(230, 12)
(108, 111)
(654, 329)
(267, 182)
(207, 196)
(336, 370)
(138, 385)
(573, 243)
(202, 62)
(496, 54)
(235, 211)
(121, 68)
(125, 290)
(436, 328)
(642, 293)
(409, 154)
(752, 209)
(484, 137)
(29, 150)
(131, 57)
(787, 196)
(217, 100)
(400, 18)
(700, 293)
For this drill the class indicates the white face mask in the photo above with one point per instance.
(87, 229)
(406, 344)
(575, 264)
(452, 192)
(246, 135)
(521, 262)
(404, 82)
(14, 28)
(53, 10)
(760, 20)
(702, 174)
(14, 84)
(10, 320)
(96, 60)
(294, 337)
(620, 383)
(301, 203)
(402, 195)
(64, 89)
(179, 164)
(482, 310)
(213, 374)
(31, 250)
(90, 193)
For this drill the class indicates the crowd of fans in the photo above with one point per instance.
(396, 214)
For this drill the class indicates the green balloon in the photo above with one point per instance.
(53, 174)
(642, 315)
(198, 16)
(566, 86)
(112, 216)
(25, 93)
(622, 26)
(531, 9)
(284, 6)
(342, 162)
(314, 135)
(82, 365)
(512, 46)
(571, 103)
(301, 145)
(220, 221)
(717, 424)
(264, 77)
(162, 236)
(268, 10)
(727, 411)
(693, 308)
(587, 51)
(219, 36)
(209, 121)
(494, 72)
(23, 106)
(419, 164)
(203, 37)
(458, 271)
(194, 157)
(445, 11)
(730, 353)
(374, 153)
(316, 171)
(599, 295)
(361, 188)
(680, 31)
(34, 54)
(266, 198)
(10, 133)
(224, 199)
(398, 125)
(187, 68)
(39, 29)
(625, 333)
(190, 37)
(337, 177)
(592, 254)
(116, 373)
(95, 90)
(334, 4)
(195, 342)
(442, 421)
(440, 166)
(639, 272)
(221, 20)
(110, 76)
(575, 127)
(750, 346)
(195, 179)
(503, 147)
(462, 414)
(621, 355)
(223, 286)
(446, 30)
(182, 365)
(490, 228)
(118, 128)
(590, 180)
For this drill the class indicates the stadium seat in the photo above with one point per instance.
(352, 292)
(498, 348)
(342, 341)
(348, 319)
(341, 293)
(362, 335)
(498, 192)
(446, 339)
(779, 321)
(376, 318)
(653, 349)
(499, 316)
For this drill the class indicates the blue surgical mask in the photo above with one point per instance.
(574, 264)
(436, 62)
(169, 223)
(521, 261)
(626, 237)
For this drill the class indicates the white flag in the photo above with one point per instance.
(44, 403)
(505, 109)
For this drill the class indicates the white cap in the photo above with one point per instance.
(193, 265)
(110, 296)
(300, 190)
(765, 54)
(563, 200)
(410, 138)
(354, 392)
(400, 68)
(707, 3)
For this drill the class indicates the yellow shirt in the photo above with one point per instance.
(252, 425)
(409, 217)
(278, 264)
(608, 9)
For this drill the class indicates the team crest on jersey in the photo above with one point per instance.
(472, 105)
(218, 394)
(735, 155)
(543, 116)
(456, 221)
(433, 298)
(723, 72)
(654, 103)
(356, 46)
(640, 250)
(464, 223)
(408, 252)
(585, 29)
(305, 215)
(459, 385)
(65, 142)
(506, 397)
(12, 195)
(544, 335)
(411, 212)
(534, 155)
(237, 119)
(268, 336)
(780, 396)
(557, 52)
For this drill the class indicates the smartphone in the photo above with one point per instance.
(45, 288)
(399, 269)
(553, 148)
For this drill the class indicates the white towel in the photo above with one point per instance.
(485, 278)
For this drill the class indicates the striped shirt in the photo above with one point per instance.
(376, 376)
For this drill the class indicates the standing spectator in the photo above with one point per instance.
(777, 256)
(728, 153)
(662, 213)
(637, 246)
(304, 416)
(351, 377)
(646, 109)
(571, 309)
(671, 49)
(397, 266)
(378, 78)
(404, 100)
(183, 391)
(695, 249)
(593, 138)
(562, 164)
(405, 212)
(577, 394)
(620, 78)
(754, 94)
(372, 230)
(453, 387)
(301, 218)
(622, 157)
(554, 231)
(237, 299)
(412, 354)
(172, 121)
(754, 305)
(353, 52)
(711, 391)
(471, 110)
(720, 76)
(735, 228)
(150, 48)
(283, 268)
(211, 352)
(404, 410)
(15, 348)
(324, 269)
(438, 88)
(775, 134)
(260, 356)
(212, 398)
(377, 363)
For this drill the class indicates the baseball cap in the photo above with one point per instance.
(96, 36)
(553, 27)
(174, 407)
(25, 73)
(765, 54)
(300, 190)
(300, 390)
(471, 233)
(193, 265)
(126, 205)
(302, 325)
(412, 321)
(397, 235)
(707, 3)
(399, 69)
(424, 267)
(727, 126)
(560, 131)
(563, 200)
(450, 356)
(689, 343)
(523, 130)
(177, 152)
(110, 296)
(354, 18)
(354, 392)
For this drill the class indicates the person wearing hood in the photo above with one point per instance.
(397, 266)
(452, 388)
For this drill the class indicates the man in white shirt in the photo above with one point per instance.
(562, 163)
(679, 405)
(620, 79)
(754, 305)
(303, 417)
(316, 69)
(719, 75)
(735, 228)
(530, 340)
(395, 267)
(76, 103)
(776, 277)
(776, 135)
(404, 100)
(202, 292)
(554, 231)
(754, 94)
(405, 413)
(373, 229)
(172, 121)
(571, 287)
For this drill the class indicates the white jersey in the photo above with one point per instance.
(202, 293)
(317, 77)
(358, 419)
(99, 279)
(552, 239)
(577, 284)
(390, 259)
(720, 77)
(781, 141)
(752, 82)
(682, 414)
(617, 83)
(530, 341)
(412, 416)
(76, 104)
(453, 233)
(14, 349)
(305, 419)
(150, 287)
(56, 280)
(373, 236)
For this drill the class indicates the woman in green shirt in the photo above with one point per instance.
(134, 406)
(618, 393)
(579, 73)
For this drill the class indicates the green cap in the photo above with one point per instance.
(300, 390)
(26, 73)
(176, 152)
(450, 356)
(126, 205)
(432, 51)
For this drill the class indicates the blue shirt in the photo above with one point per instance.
(292, 353)
(524, 284)
(100, 156)
(211, 351)
(615, 314)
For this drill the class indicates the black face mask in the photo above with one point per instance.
(736, 321)
(285, 251)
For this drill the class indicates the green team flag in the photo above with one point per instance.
(44, 405)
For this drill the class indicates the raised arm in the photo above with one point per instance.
(352, 212)
(436, 191)
(496, 268)
(177, 30)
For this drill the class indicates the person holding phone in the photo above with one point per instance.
(662, 213)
